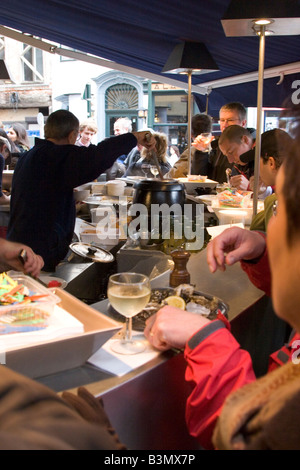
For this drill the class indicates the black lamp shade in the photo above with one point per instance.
(190, 56)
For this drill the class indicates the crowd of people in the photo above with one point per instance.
(228, 407)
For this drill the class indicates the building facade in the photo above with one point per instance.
(41, 82)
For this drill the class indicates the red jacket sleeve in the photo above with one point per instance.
(259, 272)
(216, 366)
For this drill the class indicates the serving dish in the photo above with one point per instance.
(158, 296)
(192, 186)
(46, 279)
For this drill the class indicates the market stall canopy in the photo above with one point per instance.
(141, 35)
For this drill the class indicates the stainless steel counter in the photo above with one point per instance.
(147, 405)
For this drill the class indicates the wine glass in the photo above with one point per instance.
(128, 293)
(206, 139)
(154, 170)
(145, 168)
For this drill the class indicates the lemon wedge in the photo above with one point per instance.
(175, 301)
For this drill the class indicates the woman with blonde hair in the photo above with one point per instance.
(143, 166)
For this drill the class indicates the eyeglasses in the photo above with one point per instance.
(229, 121)
(274, 208)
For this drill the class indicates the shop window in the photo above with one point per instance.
(32, 62)
(170, 117)
(2, 47)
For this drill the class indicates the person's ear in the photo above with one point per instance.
(246, 140)
(272, 163)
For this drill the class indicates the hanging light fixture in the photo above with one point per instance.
(262, 18)
(190, 58)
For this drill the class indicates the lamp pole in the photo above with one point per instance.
(259, 116)
(189, 73)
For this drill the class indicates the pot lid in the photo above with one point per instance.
(94, 253)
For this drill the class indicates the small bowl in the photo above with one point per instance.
(115, 188)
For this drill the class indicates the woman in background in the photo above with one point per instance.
(143, 166)
(174, 155)
(17, 133)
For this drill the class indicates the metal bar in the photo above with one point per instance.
(259, 116)
(189, 121)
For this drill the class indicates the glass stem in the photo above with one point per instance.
(128, 329)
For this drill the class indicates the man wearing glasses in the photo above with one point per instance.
(230, 114)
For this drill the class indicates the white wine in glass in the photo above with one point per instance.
(128, 293)
(154, 170)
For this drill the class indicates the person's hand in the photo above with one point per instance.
(239, 182)
(201, 143)
(146, 139)
(172, 327)
(233, 245)
(9, 255)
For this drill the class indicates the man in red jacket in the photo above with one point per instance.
(216, 366)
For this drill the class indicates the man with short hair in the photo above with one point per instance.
(201, 123)
(233, 113)
(87, 130)
(122, 126)
(42, 203)
(233, 143)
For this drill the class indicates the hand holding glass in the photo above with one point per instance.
(128, 293)
(206, 139)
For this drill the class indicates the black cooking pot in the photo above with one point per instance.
(151, 191)
(155, 191)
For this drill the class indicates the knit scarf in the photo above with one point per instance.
(263, 415)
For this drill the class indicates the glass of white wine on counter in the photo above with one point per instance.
(154, 170)
(128, 293)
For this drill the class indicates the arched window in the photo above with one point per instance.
(121, 97)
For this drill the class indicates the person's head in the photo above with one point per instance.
(275, 145)
(201, 123)
(87, 130)
(283, 240)
(122, 126)
(234, 141)
(13, 147)
(232, 113)
(174, 150)
(62, 126)
(17, 133)
(5, 147)
(161, 147)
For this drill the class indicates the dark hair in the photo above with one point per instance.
(234, 133)
(176, 150)
(291, 191)
(236, 106)
(14, 148)
(275, 143)
(291, 166)
(59, 124)
(201, 123)
(22, 137)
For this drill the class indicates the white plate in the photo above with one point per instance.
(108, 200)
(47, 279)
(206, 198)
